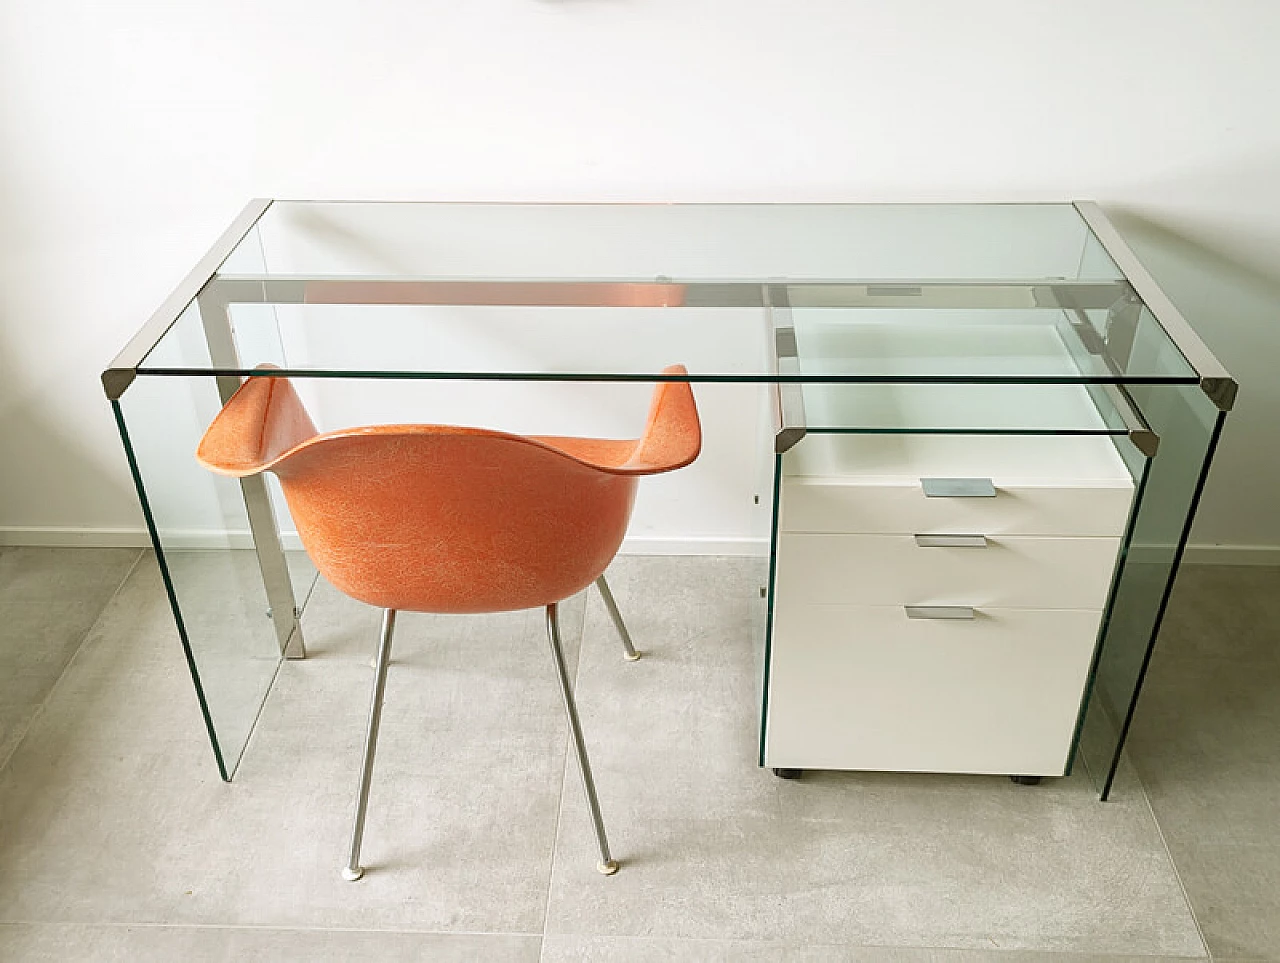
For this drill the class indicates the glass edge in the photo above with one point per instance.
(445, 202)
(170, 592)
(658, 376)
(1021, 432)
(768, 623)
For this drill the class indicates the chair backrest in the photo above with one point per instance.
(437, 518)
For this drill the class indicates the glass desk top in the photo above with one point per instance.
(962, 319)
(994, 293)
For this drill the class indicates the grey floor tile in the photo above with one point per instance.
(36, 943)
(49, 599)
(1235, 891)
(686, 712)
(1224, 611)
(112, 812)
(587, 949)
(712, 847)
(1206, 742)
(964, 882)
(56, 576)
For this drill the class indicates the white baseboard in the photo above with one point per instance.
(204, 539)
(50, 536)
(197, 539)
(659, 545)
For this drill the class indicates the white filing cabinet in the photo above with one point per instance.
(946, 633)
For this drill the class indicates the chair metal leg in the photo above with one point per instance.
(607, 864)
(630, 652)
(353, 870)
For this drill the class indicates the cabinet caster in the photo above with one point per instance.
(788, 773)
(1026, 780)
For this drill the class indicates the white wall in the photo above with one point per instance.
(131, 132)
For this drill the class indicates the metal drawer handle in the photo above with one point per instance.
(951, 541)
(958, 487)
(939, 611)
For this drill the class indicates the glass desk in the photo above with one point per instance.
(829, 343)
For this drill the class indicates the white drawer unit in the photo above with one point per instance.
(867, 687)
(939, 611)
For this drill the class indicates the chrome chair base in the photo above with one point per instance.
(580, 747)
(629, 650)
(353, 870)
(607, 865)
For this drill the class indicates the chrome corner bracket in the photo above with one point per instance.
(116, 380)
(786, 397)
(1221, 391)
(1145, 440)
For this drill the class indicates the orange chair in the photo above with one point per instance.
(433, 518)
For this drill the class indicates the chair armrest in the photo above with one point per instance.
(263, 421)
(673, 434)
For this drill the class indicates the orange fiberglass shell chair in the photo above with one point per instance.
(434, 518)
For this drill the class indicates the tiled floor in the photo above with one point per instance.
(1207, 747)
(49, 599)
(118, 840)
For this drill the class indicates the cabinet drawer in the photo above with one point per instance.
(865, 687)
(1011, 571)
(865, 507)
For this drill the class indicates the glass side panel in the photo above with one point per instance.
(1188, 424)
(206, 548)
(680, 241)
(206, 554)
